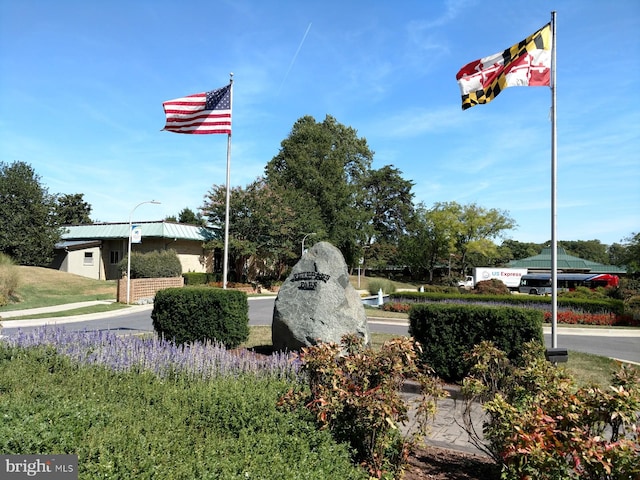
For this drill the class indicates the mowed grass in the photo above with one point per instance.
(43, 287)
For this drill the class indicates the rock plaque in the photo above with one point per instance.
(317, 303)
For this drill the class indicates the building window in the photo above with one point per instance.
(114, 257)
(88, 258)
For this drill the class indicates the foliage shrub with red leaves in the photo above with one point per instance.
(354, 391)
(396, 307)
(542, 426)
(580, 318)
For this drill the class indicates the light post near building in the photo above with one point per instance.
(155, 202)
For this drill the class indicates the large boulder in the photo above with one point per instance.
(317, 303)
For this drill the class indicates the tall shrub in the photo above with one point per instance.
(156, 264)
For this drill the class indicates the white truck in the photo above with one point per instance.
(509, 276)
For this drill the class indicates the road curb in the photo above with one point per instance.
(15, 322)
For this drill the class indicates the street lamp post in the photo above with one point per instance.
(155, 202)
(304, 238)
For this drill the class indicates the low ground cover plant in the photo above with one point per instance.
(144, 408)
(542, 425)
(353, 392)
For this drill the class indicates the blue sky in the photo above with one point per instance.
(82, 85)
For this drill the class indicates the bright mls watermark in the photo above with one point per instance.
(49, 467)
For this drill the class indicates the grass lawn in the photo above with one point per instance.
(100, 308)
(43, 287)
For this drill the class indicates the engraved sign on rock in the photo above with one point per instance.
(317, 303)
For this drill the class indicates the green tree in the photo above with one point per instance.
(617, 253)
(591, 250)
(320, 170)
(477, 228)
(71, 209)
(515, 250)
(627, 254)
(28, 227)
(431, 238)
(263, 230)
(188, 217)
(390, 199)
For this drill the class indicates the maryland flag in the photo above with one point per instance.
(527, 64)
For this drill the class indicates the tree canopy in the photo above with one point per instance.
(320, 172)
(71, 209)
(188, 217)
(28, 226)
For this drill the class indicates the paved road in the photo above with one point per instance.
(606, 342)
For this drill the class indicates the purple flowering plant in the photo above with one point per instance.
(156, 355)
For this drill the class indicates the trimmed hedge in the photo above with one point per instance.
(446, 332)
(583, 304)
(192, 314)
(200, 278)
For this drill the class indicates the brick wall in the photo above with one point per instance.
(145, 287)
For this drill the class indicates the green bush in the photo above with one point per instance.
(541, 425)
(491, 287)
(200, 313)
(446, 332)
(354, 392)
(9, 279)
(156, 264)
(126, 425)
(375, 285)
(199, 278)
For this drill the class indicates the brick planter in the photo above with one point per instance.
(145, 287)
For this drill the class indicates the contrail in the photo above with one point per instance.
(293, 60)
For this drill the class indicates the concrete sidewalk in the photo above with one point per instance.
(447, 428)
(12, 319)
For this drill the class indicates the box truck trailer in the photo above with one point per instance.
(509, 276)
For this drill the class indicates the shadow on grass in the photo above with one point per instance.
(262, 349)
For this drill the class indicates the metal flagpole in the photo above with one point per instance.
(554, 144)
(226, 216)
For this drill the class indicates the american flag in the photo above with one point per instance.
(208, 112)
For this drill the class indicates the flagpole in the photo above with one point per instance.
(554, 144)
(226, 215)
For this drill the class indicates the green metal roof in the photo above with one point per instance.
(565, 262)
(103, 231)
